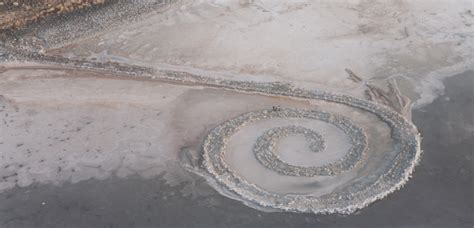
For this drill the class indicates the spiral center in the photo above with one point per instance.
(267, 144)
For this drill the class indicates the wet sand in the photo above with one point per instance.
(439, 195)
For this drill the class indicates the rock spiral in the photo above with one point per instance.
(352, 194)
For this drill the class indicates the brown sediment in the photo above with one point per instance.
(18, 13)
(392, 97)
(352, 75)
